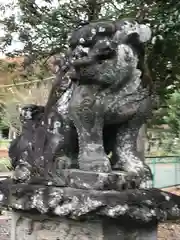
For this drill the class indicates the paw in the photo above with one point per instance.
(21, 174)
(101, 165)
(94, 159)
(134, 167)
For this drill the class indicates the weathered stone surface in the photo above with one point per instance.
(136, 205)
(79, 179)
(35, 227)
(115, 180)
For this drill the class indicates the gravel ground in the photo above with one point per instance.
(170, 231)
(167, 231)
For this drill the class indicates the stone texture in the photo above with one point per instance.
(54, 230)
(142, 206)
(34, 227)
(5, 225)
(115, 180)
(166, 231)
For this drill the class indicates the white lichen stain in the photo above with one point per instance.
(167, 197)
(142, 30)
(38, 202)
(66, 208)
(81, 40)
(148, 202)
(93, 31)
(85, 185)
(102, 29)
(58, 210)
(55, 198)
(118, 210)
(175, 211)
(85, 207)
(17, 206)
(153, 212)
(144, 33)
(1, 197)
(85, 50)
(71, 181)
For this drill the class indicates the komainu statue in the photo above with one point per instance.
(100, 99)
(78, 157)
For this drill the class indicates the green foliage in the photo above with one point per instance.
(10, 115)
(4, 143)
(5, 165)
(162, 142)
(172, 117)
(15, 98)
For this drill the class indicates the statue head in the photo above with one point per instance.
(104, 50)
(31, 112)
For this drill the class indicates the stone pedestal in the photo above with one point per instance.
(41, 227)
(42, 212)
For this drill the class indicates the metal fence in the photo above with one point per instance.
(165, 170)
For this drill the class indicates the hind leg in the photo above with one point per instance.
(126, 154)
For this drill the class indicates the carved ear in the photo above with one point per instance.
(144, 33)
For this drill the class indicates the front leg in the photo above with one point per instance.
(87, 113)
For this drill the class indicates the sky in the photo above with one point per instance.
(16, 44)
